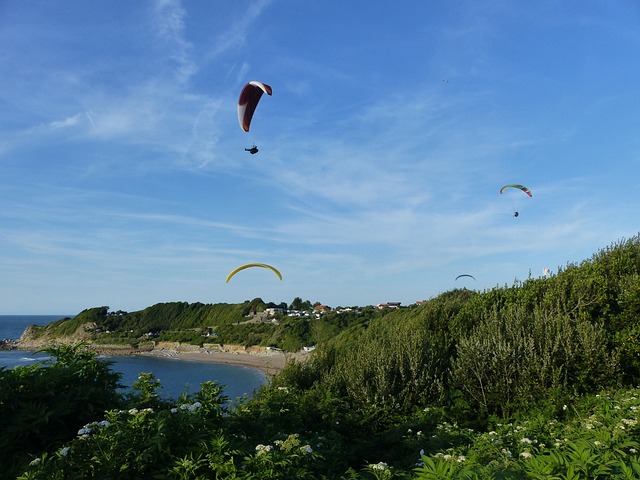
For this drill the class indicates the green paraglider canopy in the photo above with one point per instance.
(519, 187)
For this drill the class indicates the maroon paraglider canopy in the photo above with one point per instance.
(249, 98)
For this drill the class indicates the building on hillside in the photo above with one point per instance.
(391, 305)
(319, 310)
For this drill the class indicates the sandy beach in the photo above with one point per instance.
(269, 362)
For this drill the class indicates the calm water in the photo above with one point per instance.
(176, 376)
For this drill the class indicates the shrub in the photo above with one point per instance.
(44, 405)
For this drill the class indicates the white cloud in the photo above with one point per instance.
(67, 122)
(369, 179)
(170, 24)
(234, 36)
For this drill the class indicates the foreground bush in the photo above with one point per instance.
(282, 434)
(42, 406)
(185, 441)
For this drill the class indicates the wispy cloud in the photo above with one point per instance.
(235, 35)
(170, 23)
(67, 122)
(121, 151)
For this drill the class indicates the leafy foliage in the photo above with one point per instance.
(43, 405)
(499, 350)
(282, 433)
(536, 380)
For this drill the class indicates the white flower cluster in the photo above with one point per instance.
(446, 426)
(379, 466)
(281, 445)
(451, 458)
(559, 442)
(135, 411)
(494, 438)
(263, 449)
(85, 431)
(190, 407)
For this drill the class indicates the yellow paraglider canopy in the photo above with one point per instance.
(249, 265)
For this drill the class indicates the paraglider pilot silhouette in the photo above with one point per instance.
(519, 187)
(252, 150)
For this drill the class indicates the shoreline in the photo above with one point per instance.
(268, 363)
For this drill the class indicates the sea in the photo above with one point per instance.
(176, 376)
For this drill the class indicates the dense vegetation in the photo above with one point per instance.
(245, 324)
(535, 380)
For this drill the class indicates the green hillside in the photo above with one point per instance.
(534, 380)
(501, 349)
(578, 328)
(197, 323)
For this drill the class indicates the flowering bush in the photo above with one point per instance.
(43, 405)
(199, 437)
(598, 442)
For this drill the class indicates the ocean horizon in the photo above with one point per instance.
(176, 376)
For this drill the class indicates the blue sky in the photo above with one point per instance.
(391, 129)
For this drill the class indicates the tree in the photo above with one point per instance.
(296, 304)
